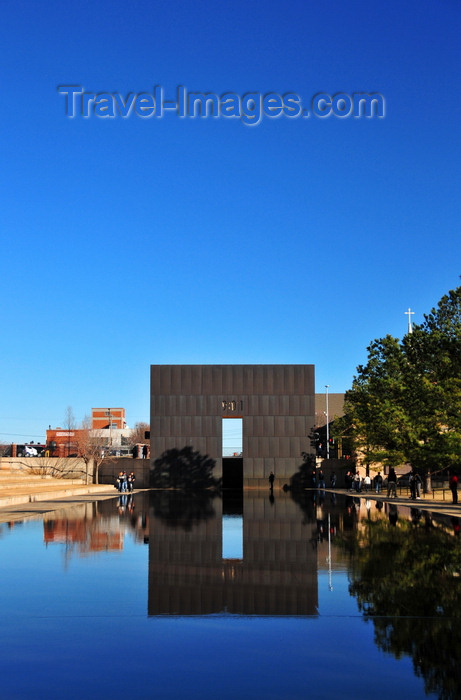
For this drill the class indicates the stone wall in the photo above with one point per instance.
(110, 468)
(57, 467)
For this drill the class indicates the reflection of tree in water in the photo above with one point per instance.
(299, 482)
(307, 501)
(178, 510)
(407, 580)
(184, 470)
(303, 477)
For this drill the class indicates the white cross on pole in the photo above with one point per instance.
(409, 313)
(327, 386)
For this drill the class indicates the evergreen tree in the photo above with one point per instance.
(433, 353)
(405, 403)
(374, 406)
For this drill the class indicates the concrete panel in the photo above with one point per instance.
(269, 425)
(258, 423)
(248, 380)
(248, 426)
(196, 382)
(216, 379)
(175, 427)
(292, 387)
(165, 382)
(285, 445)
(264, 404)
(268, 379)
(185, 377)
(299, 426)
(175, 379)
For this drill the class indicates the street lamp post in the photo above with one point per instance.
(110, 428)
(327, 386)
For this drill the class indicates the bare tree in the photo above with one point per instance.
(70, 425)
(69, 418)
(5, 449)
(56, 467)
(138, 434)
(91, 447)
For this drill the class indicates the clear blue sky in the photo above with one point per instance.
(130, 242)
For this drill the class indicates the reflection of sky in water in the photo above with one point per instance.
(75, 624)
(232, 537)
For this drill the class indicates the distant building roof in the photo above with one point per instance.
(335, 408)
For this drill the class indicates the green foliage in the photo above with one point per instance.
(405, 403)
(184, 470)
(407, 580)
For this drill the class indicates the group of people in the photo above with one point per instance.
(414, 481)
(355, 483)
(318, 479)
(125, 482)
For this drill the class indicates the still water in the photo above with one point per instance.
(152, 596)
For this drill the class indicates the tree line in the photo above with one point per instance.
(404, 405)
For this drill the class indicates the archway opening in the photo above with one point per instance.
(232, 473)
(232, 452)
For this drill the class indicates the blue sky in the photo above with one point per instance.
(130, 242)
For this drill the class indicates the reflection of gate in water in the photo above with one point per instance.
(277, 575)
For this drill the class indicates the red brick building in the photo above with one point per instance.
(107, 425)
(61, 442)
(102, 418)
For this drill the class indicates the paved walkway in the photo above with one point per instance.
(438, 501)
(24, 495)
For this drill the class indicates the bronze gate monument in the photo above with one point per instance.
(271, 408)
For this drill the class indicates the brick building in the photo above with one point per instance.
(61, 442)
(108, 426)
(108, 418)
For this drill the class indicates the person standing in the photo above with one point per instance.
(321, 480)
(332, 480)
(357, 482)
(412, 484)
(454, 485)
(378, 482)
(131, 480)
(120, 480)
(392, 483)
(349, 481)
(418, 484)
(271, 481)
(367, 483)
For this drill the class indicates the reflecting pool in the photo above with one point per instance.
(254, 596)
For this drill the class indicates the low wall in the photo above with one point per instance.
(75, 468)
(110, 468)
(57, 467)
